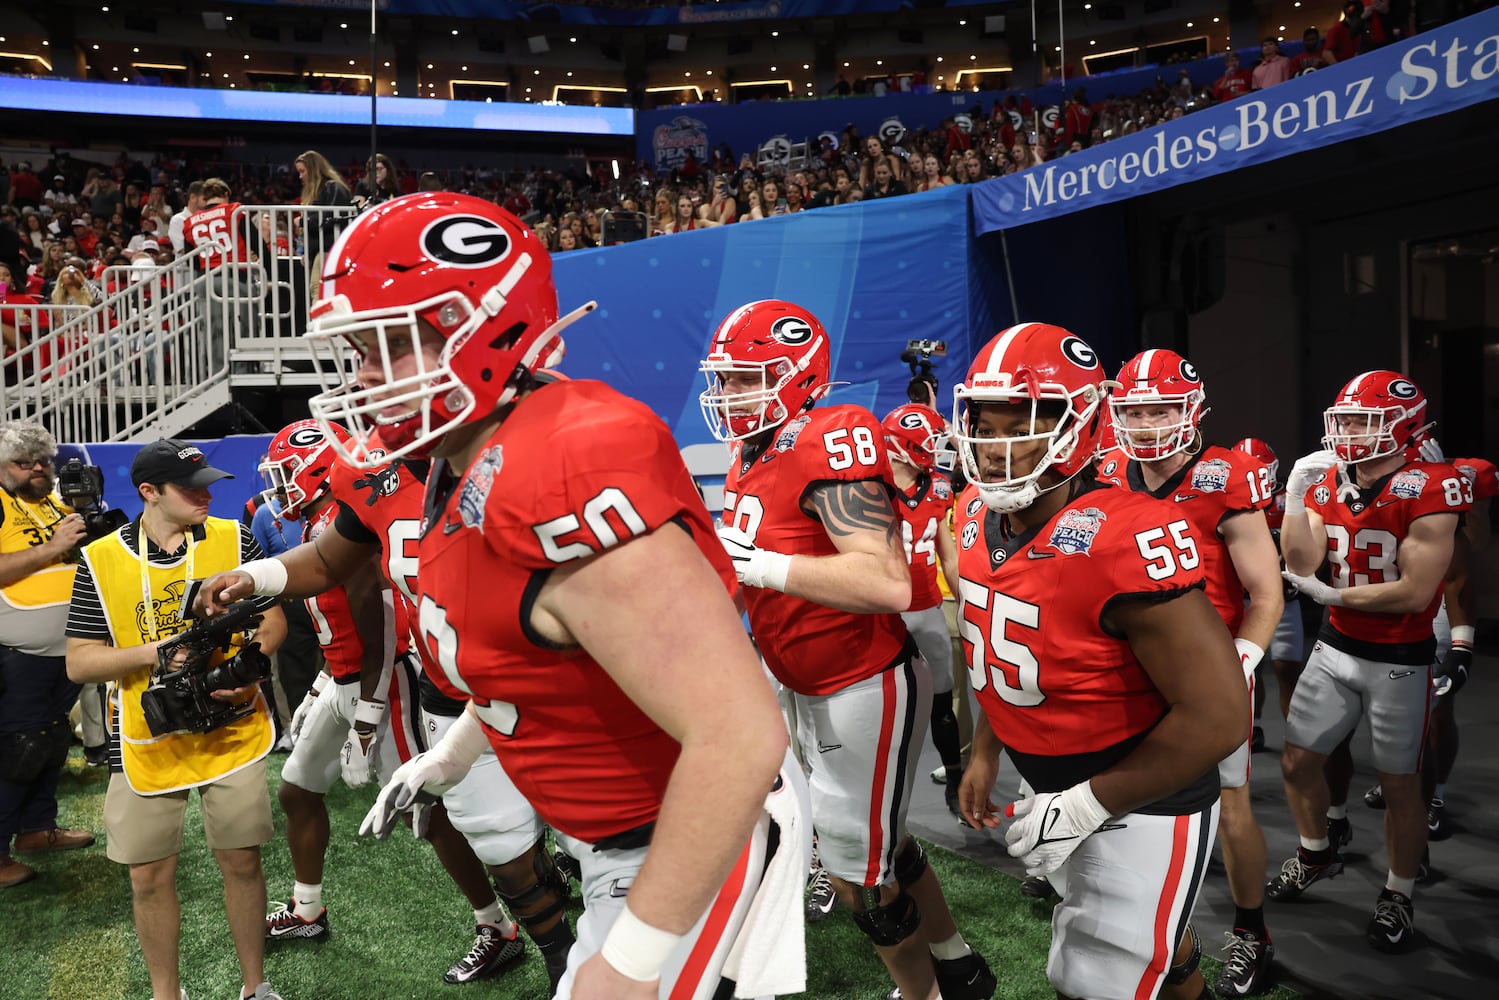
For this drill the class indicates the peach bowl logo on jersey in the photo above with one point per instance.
(970, 533)
(1409, 484)
(477, 484)
(1076, 530)
(1210, 475)
(786, 440)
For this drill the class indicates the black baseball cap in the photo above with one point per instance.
(176, 462)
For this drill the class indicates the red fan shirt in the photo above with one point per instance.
(216, 227)
(575, 469)
(811, 648)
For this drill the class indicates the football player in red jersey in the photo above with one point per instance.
(914, 434)
(485, 829)
(1099, 665)
(1157, 407)
(1286, 647)
(815, 540)
(552, 517)
(340, 726)
(1386, 524)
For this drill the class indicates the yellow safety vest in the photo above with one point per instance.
(157, 764)
(27, 525)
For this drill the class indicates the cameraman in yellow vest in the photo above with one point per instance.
(38, 534)
(127, 599)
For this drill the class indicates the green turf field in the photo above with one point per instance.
(397, 923)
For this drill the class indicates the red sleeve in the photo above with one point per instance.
(1445, 491)
(1160, 553)
(595, 484)
(1250, 486)
(1482, 474)
(837, 444)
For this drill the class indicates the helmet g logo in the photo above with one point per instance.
(912, 421)
(791, 330)
(1402, 389)
(465, 241)
(1188, 371)
(1079, 353)
(305, 437)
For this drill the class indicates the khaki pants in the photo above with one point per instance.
(146, 828)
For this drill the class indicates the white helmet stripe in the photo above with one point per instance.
(1145, 360)
(1353, 387)
(996, 360)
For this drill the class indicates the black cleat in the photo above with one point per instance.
(822, 900)
(1297, 875)
(1339, 833)
(1437, 827)
(1374, 797)
(492, 951)
(1246, 971)
(966, 978)
(1037, 887)
(1394, 923)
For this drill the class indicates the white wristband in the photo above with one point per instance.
(317, 684)
(1085, 806)
(773, 568)
(269, 576)
(369, 713)
(1463, 635)
(635, 948)
(1295, 503)
(1249, 656)
(462, 744)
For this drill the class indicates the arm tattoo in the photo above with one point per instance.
(845, 508)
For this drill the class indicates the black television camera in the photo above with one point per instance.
(919, 354)
(82, 488)
(179, 700)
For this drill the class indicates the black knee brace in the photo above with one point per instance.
(1177, 974)
(534, 894)
(890, 924)
(910, 863)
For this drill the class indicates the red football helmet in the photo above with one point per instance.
(915, 434)
(437, 265)
(1378, 414)
(298, 463)
(1262, 453)
(781, 346)
(1158, 378)
(1032, 363)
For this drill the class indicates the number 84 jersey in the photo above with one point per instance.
(1063, 693)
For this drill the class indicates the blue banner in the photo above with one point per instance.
(239, 455)
(1445, 69)
(584, 14)
(129, 100)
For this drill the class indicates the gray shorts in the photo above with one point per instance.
(1287, 644)
(1337, 689)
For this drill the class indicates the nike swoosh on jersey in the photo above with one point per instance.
(1395, 675)
(451, 526)
(1179, 498)
(1385, 502)
(1033, 554)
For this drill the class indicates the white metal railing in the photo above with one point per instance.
(163, 348)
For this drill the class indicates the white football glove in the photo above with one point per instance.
(299, 717)
(753, 566)
(1048, 827)
(1314, 588)
(1249, 656)
(423, 779)
(1430, 450)
(355, 760)
(1306, 471)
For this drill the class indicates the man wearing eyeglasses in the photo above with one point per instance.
(37, 535)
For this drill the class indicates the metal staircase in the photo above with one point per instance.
(167, 346)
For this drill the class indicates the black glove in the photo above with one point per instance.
(1452, 673)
